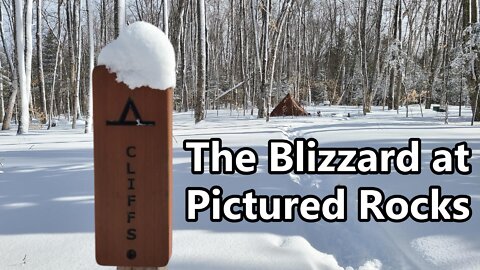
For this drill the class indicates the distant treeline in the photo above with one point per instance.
(247, 54)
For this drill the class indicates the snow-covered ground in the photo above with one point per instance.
(46, 197)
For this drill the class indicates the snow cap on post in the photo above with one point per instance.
(142, 55)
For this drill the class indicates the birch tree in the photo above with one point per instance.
(29, 49)
(23, 123)
(76, 96)
(278, 34)
(91, 57)
(165, 17)
(57, 56)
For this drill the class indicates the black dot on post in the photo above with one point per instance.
(131, 254)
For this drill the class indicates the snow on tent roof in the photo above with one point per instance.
(142, 55)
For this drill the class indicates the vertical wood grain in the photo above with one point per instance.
(151, 169)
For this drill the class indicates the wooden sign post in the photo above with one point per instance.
(133, 173)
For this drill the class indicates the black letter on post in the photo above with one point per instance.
(131, 199)
(131, 234)
(129, 169)
(131, 182)
(130, 151)
(131, 215)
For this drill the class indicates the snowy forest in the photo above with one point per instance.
(246, 54)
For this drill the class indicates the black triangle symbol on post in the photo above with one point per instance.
(122, 121)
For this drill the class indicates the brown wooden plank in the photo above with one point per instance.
(124, 151)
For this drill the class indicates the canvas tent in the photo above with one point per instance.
(287, 107)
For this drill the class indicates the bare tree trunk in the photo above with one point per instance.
(296, 92)
(103, 22)
(184, 71)
(280, 22)
(399, 78)
(52, 90)
(262, 102)
(7, 119)
(179, 41)
(71, 25)
(119, 16)
(91, 57)
(376, 71)
(29, 49)
(62, 98)
(24, 118)
(475, 106)
(363, 57)
(201, 64)
(2, 103)
(474, 77)
(433, 66)
(258, 62)
(246, 54)
(41, 76)
(242, 56)
(391, 90)
(165, 17)
(445, 68)
(57, 55)
(207, 60)
(116, 15)
(76, 95)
